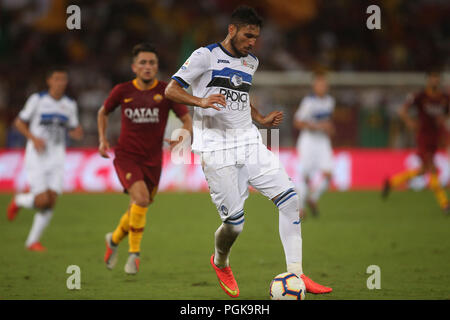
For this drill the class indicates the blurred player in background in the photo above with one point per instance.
(221, 75)
(314, 119)
(44, 121)
(432, 106)
(138, 154)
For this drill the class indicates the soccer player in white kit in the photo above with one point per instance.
(233, 155)
(314, 119)
(44, 121)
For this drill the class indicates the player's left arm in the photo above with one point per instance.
(273, 119)
(75, 130)
(76, 133)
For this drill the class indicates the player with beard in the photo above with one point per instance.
(233, 155)
(138, 154)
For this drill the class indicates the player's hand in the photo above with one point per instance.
(39, 144)
(209, 102)
(173, 143)
(273, 119)
(77, 133)
(412, 125)
(103, 149)
(326, 127)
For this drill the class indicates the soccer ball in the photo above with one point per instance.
(287, 286)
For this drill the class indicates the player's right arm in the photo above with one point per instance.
(102, 123)
(111, 102)
(301, 117)
(24, 117)
(196, 65)
(177, 94)
(404, 114)
(23, 128)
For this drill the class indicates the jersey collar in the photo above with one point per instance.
(225, 50)
(136, 85)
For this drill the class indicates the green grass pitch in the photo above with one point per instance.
(407, 237)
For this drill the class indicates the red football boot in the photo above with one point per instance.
(12, 210)
(313, 287)
(226, 279)
(37, 246)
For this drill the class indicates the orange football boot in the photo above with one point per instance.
(226, 279)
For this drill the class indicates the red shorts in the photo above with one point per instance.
(426, 148)
(130, 171)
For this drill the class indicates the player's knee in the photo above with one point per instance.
(233, 228)
(142, 200)
(52, 196)
(288, 199)
(235, 223)
(42, 200)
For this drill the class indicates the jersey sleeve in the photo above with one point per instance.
(333, 104)
(73, 118)
(113, 100)
(30, 107)
(195, 65)
(302, 113)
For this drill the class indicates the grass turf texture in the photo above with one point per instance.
(407, 237)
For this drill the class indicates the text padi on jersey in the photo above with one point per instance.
(142, 115)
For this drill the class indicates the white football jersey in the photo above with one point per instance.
(315, 109)
(49, 119)
(214, 70)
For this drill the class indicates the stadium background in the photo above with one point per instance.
(372, 71)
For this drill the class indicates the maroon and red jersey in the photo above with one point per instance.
(144, 119)
(429, 108)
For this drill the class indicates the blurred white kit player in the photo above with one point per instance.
(44, 121)
(314, 119)
(233, 155)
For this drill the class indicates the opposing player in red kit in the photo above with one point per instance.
(432, 107)
(138, 154)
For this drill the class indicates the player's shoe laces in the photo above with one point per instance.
(386, 189)
(12, 210)
(37, 246)
(313, 287)
(226, 279)
(132, 265)
(111, 252)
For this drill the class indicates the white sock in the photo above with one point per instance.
(25, 200)
(290, 229)
(40, 222)
(321, 188)
(225, 236)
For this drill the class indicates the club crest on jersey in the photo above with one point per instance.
(236, 80)
(142, 115)
(157, 97)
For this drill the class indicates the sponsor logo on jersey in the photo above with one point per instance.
(434, 109)
(236, 100)
(247, 64)
(142, 115)
(126, 100)
(158, 97)
(222, 61)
